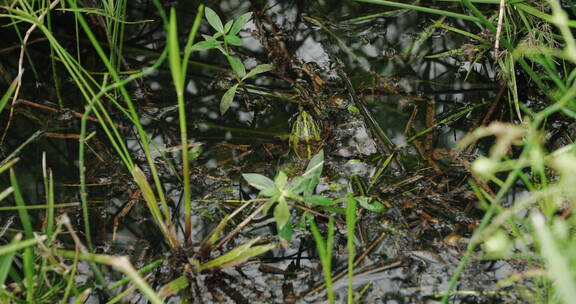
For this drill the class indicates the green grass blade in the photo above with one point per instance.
(142, 270)
(228, 256)
(325, 254)
(29, 271)
(8, 94)
(6, 259)
(350, 227)
(173, 287)
(188, 49)
(421, 9)
(174, 53)
(23, 213)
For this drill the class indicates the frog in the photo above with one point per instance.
(305, 139)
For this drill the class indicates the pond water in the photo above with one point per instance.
(400, 85)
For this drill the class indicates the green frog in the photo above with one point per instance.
(305, 138)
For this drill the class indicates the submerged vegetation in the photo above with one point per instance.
(422, 151)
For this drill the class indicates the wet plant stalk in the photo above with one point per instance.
(325, 253)
(350, 224)
(178, 69)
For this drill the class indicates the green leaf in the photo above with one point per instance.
(227, 26)
(233, 40)
(8, 94)
(259, 181)
(252, 252)
(318, 200)
(214, 20)
(174, 53)
(227, 99)
(269, 192)
(370, 205)
(285, 232)
(281, 180)
(195, 152)
(208, 37)
(237, 66)
(259, 69)
(6, 259)
(173, 287)
(313, 172)
(22, 212)
(237, 255)
(267, 206)
(298, 184)
(282, 213)
(205, 45)
(315, 164)
(240, 22)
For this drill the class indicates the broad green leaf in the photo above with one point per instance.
(298, 184)
(213, 19)
(240, 22)
(259, 69)
(237, 66)
(227, 99)
(281, 180)
(313, 172)
(233, 40)
(315, 165)
(259, 181)
(318, 200)
(269, 192)
(174, 53)
(227, 26)
(282, 213)
(205, 45)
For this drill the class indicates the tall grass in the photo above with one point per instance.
(102, 96)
